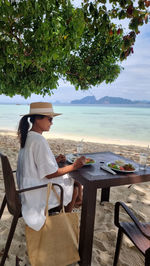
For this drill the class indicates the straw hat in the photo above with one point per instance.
(41, 108)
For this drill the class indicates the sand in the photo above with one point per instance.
(136, 197)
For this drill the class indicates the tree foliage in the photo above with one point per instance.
(44, 40)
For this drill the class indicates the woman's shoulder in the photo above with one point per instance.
(35, 137)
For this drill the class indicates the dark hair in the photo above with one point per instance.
(24, 126)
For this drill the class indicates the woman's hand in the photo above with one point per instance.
(68, 168)
(79, 163)
(61, 158)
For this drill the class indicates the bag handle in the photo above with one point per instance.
(50, 187)
(56, 194)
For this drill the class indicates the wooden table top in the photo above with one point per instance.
(102, 179)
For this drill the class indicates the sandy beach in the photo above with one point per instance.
(136, 197)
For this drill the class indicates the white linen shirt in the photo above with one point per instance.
(35, 161)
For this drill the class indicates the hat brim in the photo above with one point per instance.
(47, 114)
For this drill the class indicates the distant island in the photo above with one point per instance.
(107, 100)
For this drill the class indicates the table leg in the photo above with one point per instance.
(105, 192)
(87, 224)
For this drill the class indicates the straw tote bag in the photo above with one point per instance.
(56, 243)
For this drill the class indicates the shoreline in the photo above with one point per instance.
(9, 144)
(98, 140)
(49, 135)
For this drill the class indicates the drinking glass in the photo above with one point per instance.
(80, 147)
(143, 161)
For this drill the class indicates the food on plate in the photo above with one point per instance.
(89, 160)
(71, 158)
(119, 162)
(124, 167)
(128, 167)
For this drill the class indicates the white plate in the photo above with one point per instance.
(122, 171)
(72, 157)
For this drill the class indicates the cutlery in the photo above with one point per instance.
(106, 168)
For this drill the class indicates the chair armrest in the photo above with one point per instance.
(45, 185)
(139, 225)
(31, 188)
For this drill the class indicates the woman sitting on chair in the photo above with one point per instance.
(37, 165)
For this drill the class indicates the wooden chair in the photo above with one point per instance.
(12, 200)
(138, 233)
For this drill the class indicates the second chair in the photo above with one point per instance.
(138, 233)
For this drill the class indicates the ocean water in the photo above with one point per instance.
(91, 122)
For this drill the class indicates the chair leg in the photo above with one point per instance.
(3, 206)
(147, 257)
(118, 246)
(9, 239)
(147, 262)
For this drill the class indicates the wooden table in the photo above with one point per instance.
(93, 178)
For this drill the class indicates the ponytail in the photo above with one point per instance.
(23, 130)
(24, 126)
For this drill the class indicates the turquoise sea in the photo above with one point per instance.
(114, 124)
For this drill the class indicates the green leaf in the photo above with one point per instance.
(42, 41)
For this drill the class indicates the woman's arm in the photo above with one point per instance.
(68, 168)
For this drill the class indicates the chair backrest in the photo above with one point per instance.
(12, 196)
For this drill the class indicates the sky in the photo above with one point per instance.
(133, 82)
